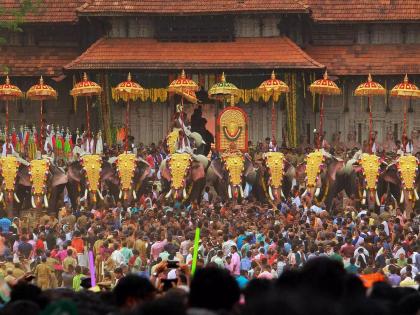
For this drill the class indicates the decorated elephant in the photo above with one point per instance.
(274, 178)
(183, 176)
(127, 179)
(230, 173)
(87, 176)
(11, 169)
(318, 174)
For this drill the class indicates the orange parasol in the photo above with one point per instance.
(127, 90)
(405, 90)
(182, 85)
(41, 92)
(369, 89)
(224, 90)
(9, 92)
(323, 87)
(86, 88)
(190, 96)
(274, 87)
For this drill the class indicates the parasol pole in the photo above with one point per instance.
(273, 119)
(321, 121)
(370, 125)
(7, 125)
(127, 124)
(404, 135)
(88, 123)
(41, 125)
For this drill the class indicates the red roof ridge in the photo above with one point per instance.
(303, 53)
(87, 51)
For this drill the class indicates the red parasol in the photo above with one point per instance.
(323, 87)
(405, 90)
(9, 92)
(274, 87)
(182, 85)
(41, 92)
(369, 89)
(127, 90)
(86, 88)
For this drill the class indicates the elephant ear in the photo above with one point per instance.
(390, 175)
(248, 165)
(197, 171)
(164, 171)
(335, 166)
(217, 168)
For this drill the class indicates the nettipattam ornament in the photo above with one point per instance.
(179, 164)
(371, 167)
(314, 164)
(274, 162)
(126, 166)
(172, 140)
(92, 166)
(38, 172)
(9, 169)
(234, 164)
(408, 168)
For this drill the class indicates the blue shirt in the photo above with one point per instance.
(242, 281)
(5, 224)
(245, 264)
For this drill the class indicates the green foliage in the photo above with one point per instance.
(25, 7)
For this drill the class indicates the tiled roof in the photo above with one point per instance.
(35, 61)
(244, 53)
(388, 59)
(364, 10)
(57, 11)
(112, 7)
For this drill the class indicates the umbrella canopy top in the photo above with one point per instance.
(9, 91)
(370, 88)
(128, 90)
(223, 88)
(85, 88)
(274, 85)
(325, 86)
(182, 83)
(41, 91)
(405, 89)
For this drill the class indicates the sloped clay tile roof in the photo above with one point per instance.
(35, 61)
(49, 11)
(388, 59)
(364, 10)
(112, 7)
(244, 53)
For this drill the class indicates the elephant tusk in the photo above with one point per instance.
(364, 194)
(16, 198)
(184, 193)
(1, 196)
(402, 196)
(120, 195)
(45, 201)
(317, 191)
(86, 194)
(282, 194)
(100, 195)
(168, 194)
(33, 202)
(416, 195)
(230, 192)
(270, 193)
(241, 190)
(378, 203)
(363, 201)
(134, 195)
(304, 193)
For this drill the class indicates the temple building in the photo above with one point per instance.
(245, 39)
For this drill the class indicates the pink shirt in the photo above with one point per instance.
(235, 264)
(157, 248)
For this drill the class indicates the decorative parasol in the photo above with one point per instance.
(223, 90)
(86, 88)
(274, 87)
(182, 85)
(369, 89)
(127, 90)
(323, 87)
(9, 92)
(41, 92)
(405, 90)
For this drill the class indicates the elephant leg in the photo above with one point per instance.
(73, 194)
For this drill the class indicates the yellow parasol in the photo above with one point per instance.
(127, 90)
(9, 92)
(41, 92)
(369, 89)
(181, 86)
(405, 90)
(274, 87)
(86, 88)
(223, 90)
(323, 87)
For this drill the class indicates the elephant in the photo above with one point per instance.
(319, 174)
(127, 178)
(183, 176)
(274, 178)
(229, 173)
